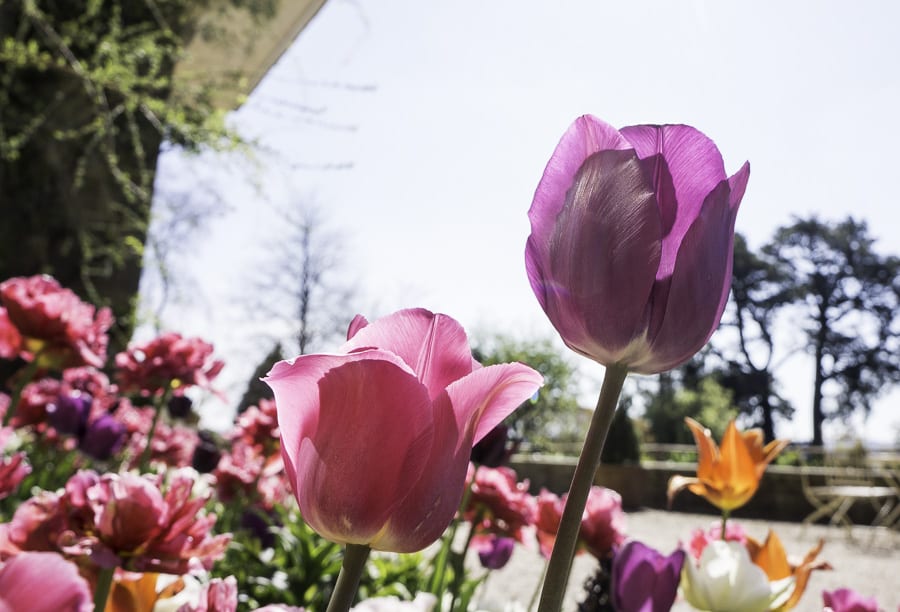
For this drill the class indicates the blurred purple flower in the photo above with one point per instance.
(630, 251)
(643, 579)
(103, 438)
(494, 551)
(69, 413)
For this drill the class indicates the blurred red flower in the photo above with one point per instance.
(55, 324)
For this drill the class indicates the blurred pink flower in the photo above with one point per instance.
(549, 512)
(140, 523)
(55, 323)
(167, 362)
(603, 522)
(411, 378)
(848, 600)
(173, 445)
(43, 582)
(734, 532)
(13, 468)
(10, 338)
(501, 505)
(258, 426)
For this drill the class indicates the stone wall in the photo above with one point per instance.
(780, 496)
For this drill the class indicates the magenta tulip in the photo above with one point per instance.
(376, 438)
(848, 600)
(645, 580)
(632, 233)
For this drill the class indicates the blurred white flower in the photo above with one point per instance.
(726, 580)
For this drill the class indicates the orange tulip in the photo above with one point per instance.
(771, 557)
(728, 476)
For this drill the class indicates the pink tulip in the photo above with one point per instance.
(630, 251)
(43, 582)
(167, 361)
(502, 504)
(10, 338)
(55, 322)
(603, 522)
(376, 438)
(848, 600)
(140, 523)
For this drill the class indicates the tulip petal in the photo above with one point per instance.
(604, 252)
(294, 384)
(464, 413)
(435, 346)
(43, 581)
(694, 166)
(357, 402)
(587, 135)
(699, 287)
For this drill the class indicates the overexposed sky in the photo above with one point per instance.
(422, 130)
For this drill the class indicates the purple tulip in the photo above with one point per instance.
(643, 579)
(495, 551)
(103, 438)
(69, 413)
(631, 243)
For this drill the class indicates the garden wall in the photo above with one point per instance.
(780, 496)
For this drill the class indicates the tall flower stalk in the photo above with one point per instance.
(630, 256)
(560, 564)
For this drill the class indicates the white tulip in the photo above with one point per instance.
(726, 580)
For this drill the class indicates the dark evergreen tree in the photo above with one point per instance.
(760, 289)
(848, 297)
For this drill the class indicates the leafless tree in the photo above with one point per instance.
(301, 294)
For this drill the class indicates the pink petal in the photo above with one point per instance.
(43, 581)
(587, 135)
(603, 257)
(372, 433)
(434, 345)
(356, 324)
(463, 414)
(295, 385)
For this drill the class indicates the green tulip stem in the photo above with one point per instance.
(725, 514)
(567, 536)
(103, 587)
(355, 556)
(148, 449)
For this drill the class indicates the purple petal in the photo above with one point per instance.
(695, 165)
(587, 135)
(603, 257)
(699, 288)
(435, 346)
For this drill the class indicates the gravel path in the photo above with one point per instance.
(868, 561)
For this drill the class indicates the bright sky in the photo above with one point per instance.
(423, 128)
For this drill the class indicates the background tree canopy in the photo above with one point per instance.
(86, 101)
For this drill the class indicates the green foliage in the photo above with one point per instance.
(551, 419)
(301, 568)
(709, 403)
(86, 99)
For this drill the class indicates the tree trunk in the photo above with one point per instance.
(818, 416)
